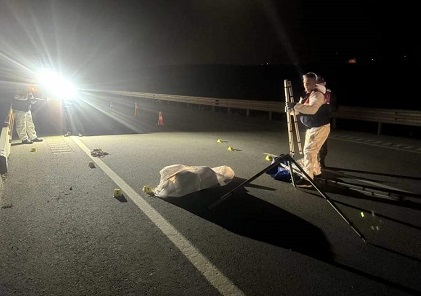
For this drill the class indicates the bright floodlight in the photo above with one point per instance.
(56, 86)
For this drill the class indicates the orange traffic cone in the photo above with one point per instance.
(160, 119)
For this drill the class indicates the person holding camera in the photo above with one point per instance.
(21, 105)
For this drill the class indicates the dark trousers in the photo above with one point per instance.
(73, 120)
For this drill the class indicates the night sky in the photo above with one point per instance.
(84, 38)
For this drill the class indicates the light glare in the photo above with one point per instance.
(56, 86)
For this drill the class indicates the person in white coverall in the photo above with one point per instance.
(21, 105)
(313, 113)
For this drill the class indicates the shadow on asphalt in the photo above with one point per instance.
(332, 182)
(340, 171)
(252, 217)
(249, 216)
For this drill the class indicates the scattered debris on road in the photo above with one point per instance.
(98, 152)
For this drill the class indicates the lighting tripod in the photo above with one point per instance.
(290, 161)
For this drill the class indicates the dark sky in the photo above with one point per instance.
(367, 29)
(85, 37)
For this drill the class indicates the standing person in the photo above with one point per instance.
(21, 105)
(313, 113)
(331, 101)
(72, 116)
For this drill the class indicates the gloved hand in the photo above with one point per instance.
(289, 106)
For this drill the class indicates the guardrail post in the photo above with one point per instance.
(248, 112)
(379, 128)
(270, 115)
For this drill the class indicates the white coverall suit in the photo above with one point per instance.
(25, 127)
(314, 136)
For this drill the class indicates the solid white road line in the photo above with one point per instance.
(213, 275)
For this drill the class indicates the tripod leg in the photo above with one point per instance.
(297, 134)
(292, 173)
(230, 193)
(289, 158)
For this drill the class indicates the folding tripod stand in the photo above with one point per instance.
(290, 161)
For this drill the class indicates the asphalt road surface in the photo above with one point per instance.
(62, 232)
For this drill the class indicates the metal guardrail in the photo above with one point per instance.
(389, 116)
(248, 105)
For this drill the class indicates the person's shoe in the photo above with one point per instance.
(303, 183)
(322, 164)
(27, 141)
(67, 134)
(37, 140)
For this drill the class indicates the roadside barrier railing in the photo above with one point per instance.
(247, 105)
(381, 116)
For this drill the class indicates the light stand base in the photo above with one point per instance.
(276, 163)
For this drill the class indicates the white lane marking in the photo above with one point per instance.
(213, 275)
(58, 145)
(378, 144)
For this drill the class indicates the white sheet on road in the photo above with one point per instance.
(178, 179)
